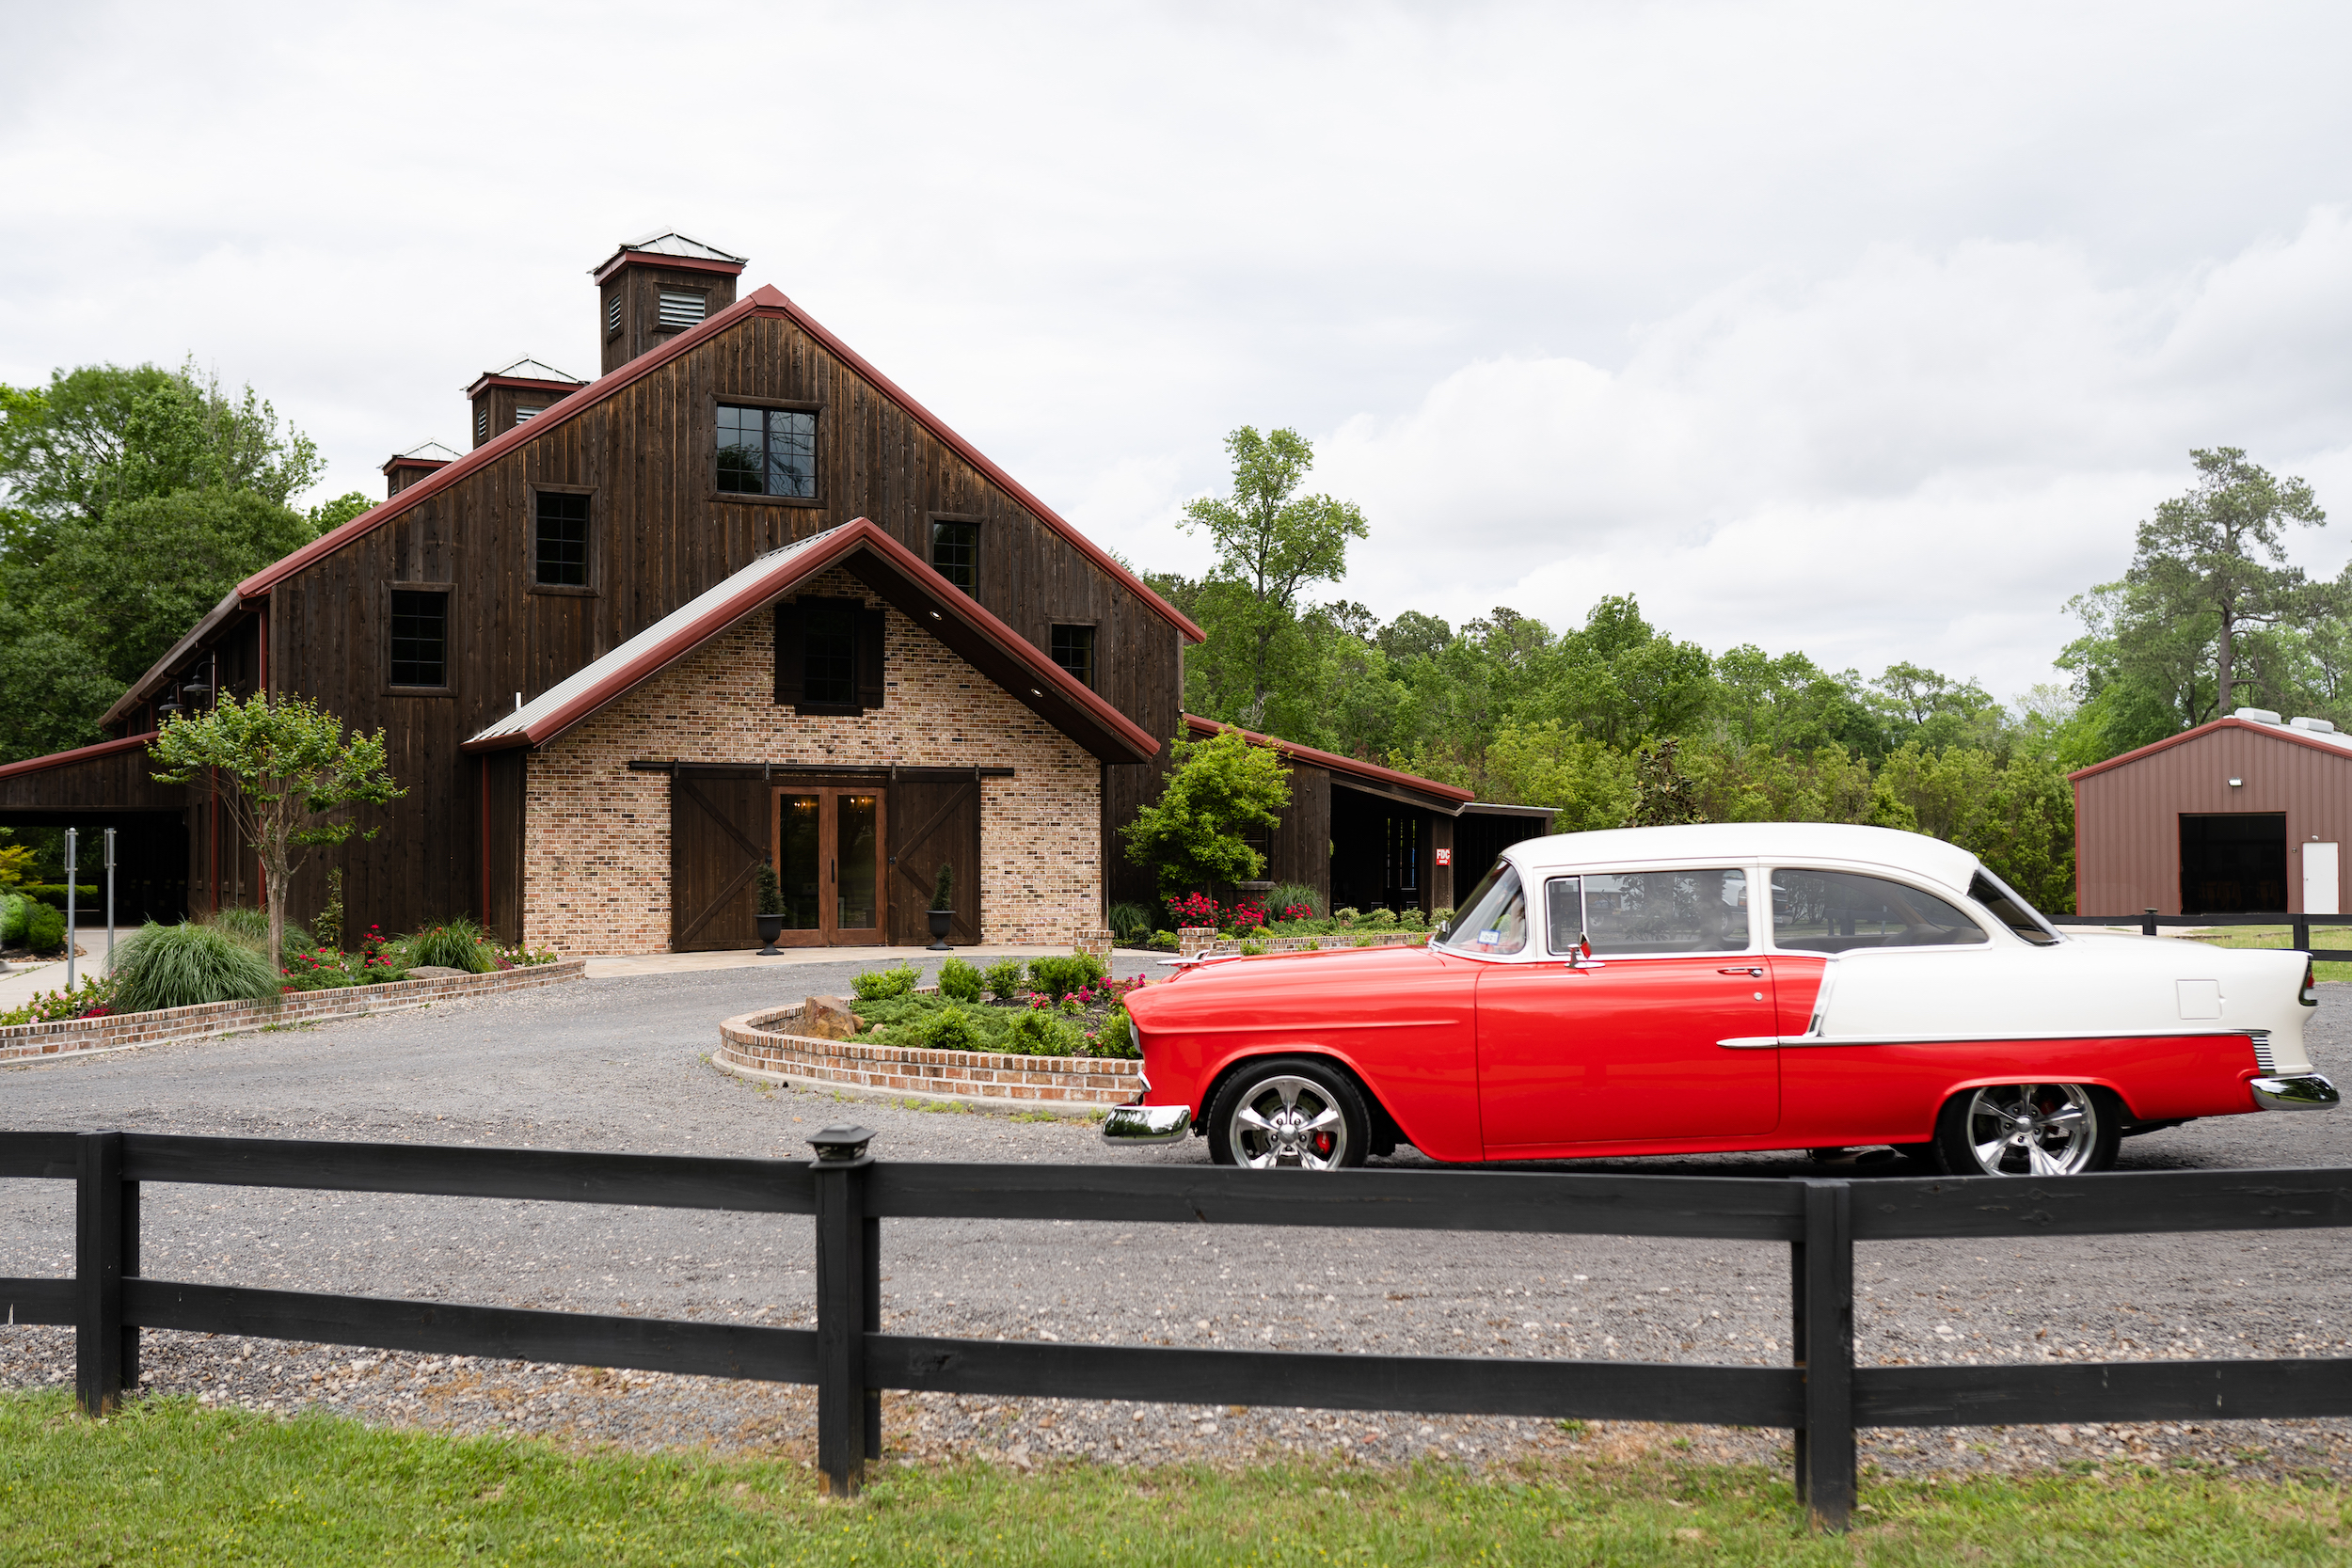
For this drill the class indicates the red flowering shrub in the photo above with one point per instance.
(1246, 917)
(1194, 909)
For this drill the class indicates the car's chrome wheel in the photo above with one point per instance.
(2029, 1129)
(1288, 1115)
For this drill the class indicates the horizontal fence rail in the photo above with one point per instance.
(1822, 1398)
(2300, 926)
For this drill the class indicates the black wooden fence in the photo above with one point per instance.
(2299, 927)
(1822, 1398)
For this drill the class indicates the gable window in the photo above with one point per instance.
(956, 554)
(829, 656)
(559, 556)
(420, 623)
(1073, 650)
(613, 315)
(682, 309)
(767, 452)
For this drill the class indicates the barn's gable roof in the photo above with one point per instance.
(766, 301)
(1446, 798)
(895, 573)
(2319, 741)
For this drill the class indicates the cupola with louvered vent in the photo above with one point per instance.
(517, 395)
(656, 286)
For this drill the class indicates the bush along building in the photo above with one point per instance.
(738, 600)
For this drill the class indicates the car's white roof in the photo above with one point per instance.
(1781, 842)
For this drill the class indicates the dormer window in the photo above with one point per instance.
(767, 452)
(682, 309)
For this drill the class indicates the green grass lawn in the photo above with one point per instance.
(2281, 936)
(168, 1482)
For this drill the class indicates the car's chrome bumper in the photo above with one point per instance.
(1146, 1124)
(2304, 1092)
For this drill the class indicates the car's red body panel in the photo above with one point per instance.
(1485, 1061)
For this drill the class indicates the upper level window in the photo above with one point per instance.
(682, 309)
(1834, 912)
(1073, 650)
(524, 416)
(829, 656)
(481, 425)
(767, 452)
(420, 637)
(613, 315)
(560, 557)
(956, 554)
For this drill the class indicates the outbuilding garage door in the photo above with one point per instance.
(935, 822)
(718, 838)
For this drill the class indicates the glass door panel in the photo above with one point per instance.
(800, 862)
(857, 820)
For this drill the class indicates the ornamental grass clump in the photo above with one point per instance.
(456, 944)
(251, 926)
(187, 966)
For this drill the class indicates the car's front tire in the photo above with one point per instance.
(2029, 1129)
(1288, 1111)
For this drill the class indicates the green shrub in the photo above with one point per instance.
(1004, 980)
(1287, 893)
(1117, 1037)
(1347, 914)
(1378, 920)
(944, 891)
(329, 922)
(453, 944)
(1165, 941)
(877, 984)
(959, 981)
(1058, 976)
(1253, 949)
(13, 907)
(950, 1029)
(1040, 1033)
(769, 892)
(185, 966)
(1130, 922)
(44, 927)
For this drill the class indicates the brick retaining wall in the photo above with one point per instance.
(752, 1045)
(1193, 941)
(68, 1037)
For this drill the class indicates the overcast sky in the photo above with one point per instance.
(1866, 329)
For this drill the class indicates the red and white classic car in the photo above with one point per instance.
(1635, 992)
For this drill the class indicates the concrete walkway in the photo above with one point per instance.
(618, 966)
(24, 980)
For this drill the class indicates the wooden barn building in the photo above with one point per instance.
(738, 600)
(2247, 814)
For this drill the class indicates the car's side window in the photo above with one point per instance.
(1643, 913)
(1494, 918)
(1564, 913)
(1837, 911)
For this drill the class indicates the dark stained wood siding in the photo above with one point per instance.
(1301, 846)
(123, 780)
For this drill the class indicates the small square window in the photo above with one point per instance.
(1073, 650)
(562, 547)
(613, 315)
(524, 416)
(956, 554)
(420, 637)
(828, 652)
(767, 452)
(682, 309)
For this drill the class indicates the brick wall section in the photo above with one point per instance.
(68, 1036)
(760, 1043)
(597, 837)
(1193, 941)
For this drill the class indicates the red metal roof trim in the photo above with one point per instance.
(859, 533)
(80, 753)
(765, 300)
(1335, 762)
(626, 256)
(2339, 746)
(523, 383)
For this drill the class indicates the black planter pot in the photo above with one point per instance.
(770, 928)
(939, 919)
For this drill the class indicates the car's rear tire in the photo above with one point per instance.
(1288, 1111)
(2029, 1129)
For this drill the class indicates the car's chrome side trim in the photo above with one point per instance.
(1752, 1043)
(1146, 1124)
(2303, 1092)
(1761, 1042)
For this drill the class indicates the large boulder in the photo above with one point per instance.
(829, 1017)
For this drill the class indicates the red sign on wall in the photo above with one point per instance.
(1445, 857)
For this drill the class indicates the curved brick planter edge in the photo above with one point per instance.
(77, 1037)
(751, 1047)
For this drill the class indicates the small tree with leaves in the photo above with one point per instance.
(1192, 836)
(283, 768)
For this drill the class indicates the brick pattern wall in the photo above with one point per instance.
(761, 1042)
(597, 837)
(116, 1030)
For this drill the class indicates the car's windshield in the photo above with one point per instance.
(2011, 910)
(1493, 918)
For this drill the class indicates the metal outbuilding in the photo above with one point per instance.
(2245, 815)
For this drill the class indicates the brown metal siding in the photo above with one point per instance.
(2127, 819)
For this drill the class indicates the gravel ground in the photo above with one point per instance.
(622, 1065)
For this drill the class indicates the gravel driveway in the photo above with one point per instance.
(621, 1064)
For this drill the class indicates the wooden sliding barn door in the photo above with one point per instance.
(718, 838)
(935, 822)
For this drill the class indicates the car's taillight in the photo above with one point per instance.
(2311, 984)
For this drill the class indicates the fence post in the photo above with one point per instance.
(2303, 931)
(847, 1307)
(97, 1331)
(1822, 1278)
(2148, 924)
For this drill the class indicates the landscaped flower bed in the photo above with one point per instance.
(1055, 1007)
(1289, 921)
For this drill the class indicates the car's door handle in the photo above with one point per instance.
(1758, 972)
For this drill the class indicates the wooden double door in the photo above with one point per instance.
(857, 859)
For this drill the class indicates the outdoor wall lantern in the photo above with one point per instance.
(2237, 783)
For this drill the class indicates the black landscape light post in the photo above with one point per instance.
(110, 900)
(73, 840)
